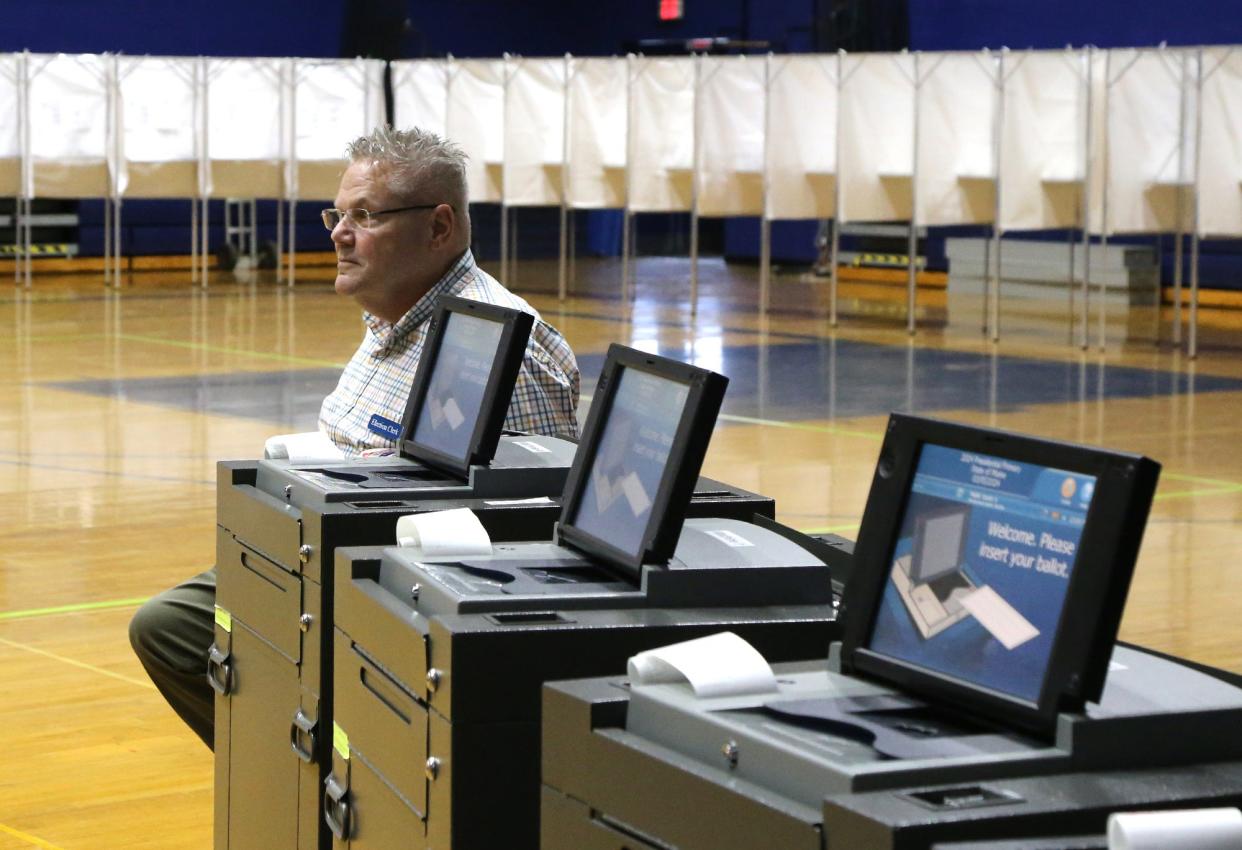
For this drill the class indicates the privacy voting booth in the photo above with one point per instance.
(977, 692)
(280, 521)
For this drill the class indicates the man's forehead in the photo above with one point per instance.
(362, 185)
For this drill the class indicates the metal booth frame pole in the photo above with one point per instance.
(696, 164)
(993, 298)
(204, 198)
(1102, 306)
(1192, 344)
(1179, 258)
(18, 201)
(912, 238)
(196, 112)
(504, 207)
(992, 244)
(109, 143)
(291, 153)
(112, 83)
(765, 223)
(627, 224)
(561, 277)
(28, 189)
(1089, 140)
(834, 278)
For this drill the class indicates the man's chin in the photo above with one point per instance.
(346, 284)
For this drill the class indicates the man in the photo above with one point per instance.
(401, 228)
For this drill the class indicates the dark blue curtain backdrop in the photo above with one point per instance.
(467, 28)
(973, 24)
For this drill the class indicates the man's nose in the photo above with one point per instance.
(342, 234)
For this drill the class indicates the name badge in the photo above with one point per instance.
(384, 427)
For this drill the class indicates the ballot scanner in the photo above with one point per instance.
(440, 657)
(279, 523)
(1021, 717)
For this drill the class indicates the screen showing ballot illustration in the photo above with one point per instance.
(455, 394)
(630, 459)
(981, 566)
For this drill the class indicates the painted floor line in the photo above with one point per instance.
(1215, 482)
(28, 838)
(831, 529)
(1187, 494)
(71, 609)
(240, 352)
(132, 476)
(75, 663)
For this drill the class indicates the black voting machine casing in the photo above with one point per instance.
(884, 759)
(439, 660)
(278, 526)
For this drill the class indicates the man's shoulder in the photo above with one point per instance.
(481, 286)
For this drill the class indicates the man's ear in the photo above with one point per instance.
(443, 226)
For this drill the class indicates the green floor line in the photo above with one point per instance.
(1215, 482)
(71, 609)
(831, 529)
(1186, 494)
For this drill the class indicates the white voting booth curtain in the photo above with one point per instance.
(334, 102)
(534, 132)
(730, 131)
(597, 119)
(1219, 177)
(661, 149)
(1150, 139)
(802, 137)
(876, 154)
(71, 129)
(420, 94)
(160, 120)
(11, 76)
(476, 122)
(246, 127)
(1043, 150)
(955, 170)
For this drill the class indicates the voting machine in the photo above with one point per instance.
(977, 692)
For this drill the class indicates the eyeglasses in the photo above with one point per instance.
(361, 218)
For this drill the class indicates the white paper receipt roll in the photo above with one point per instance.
(1182, 829)
(455, 532)
(717, 665)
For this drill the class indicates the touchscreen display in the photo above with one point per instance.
(979, 573)
(630, 459)
(455, 391)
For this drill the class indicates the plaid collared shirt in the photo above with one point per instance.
(377, 379)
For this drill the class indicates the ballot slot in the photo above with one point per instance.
(962, 797)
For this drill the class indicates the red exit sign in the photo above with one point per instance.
(670, 10)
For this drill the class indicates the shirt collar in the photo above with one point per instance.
(453, 281)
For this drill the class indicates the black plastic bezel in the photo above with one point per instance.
(706, 391)
(497, 394)
(1095, 598)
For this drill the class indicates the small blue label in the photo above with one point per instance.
(384, 427)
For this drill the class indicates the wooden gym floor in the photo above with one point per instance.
(116, 404)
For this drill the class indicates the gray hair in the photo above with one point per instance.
(419, 163)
